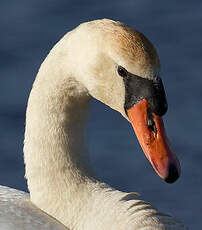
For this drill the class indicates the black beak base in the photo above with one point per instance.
(138, 88)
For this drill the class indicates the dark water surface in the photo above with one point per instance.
(29, 29)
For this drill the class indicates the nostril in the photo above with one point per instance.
(150, 122)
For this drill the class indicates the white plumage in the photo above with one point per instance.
(80, 66)
(18, 213)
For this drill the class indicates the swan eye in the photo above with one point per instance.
(122, 71)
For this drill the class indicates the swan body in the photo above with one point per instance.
(18, 213)
(62, 185)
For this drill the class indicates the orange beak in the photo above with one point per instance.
(151, 134)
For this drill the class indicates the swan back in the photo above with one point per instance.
(17, 212)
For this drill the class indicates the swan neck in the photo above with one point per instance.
(55, 148)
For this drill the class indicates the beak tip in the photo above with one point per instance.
(173, 174)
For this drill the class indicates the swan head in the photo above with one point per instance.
(120, 67)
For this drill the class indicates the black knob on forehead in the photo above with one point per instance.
(157, 99)
(138, 88)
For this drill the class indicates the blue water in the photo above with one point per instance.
(28, 31)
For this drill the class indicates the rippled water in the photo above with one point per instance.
(28, 31)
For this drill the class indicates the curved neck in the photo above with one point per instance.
(55, 149)
(56, 154)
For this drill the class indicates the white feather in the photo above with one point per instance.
(61, 183)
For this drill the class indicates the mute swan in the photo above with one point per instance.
(117, 65)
